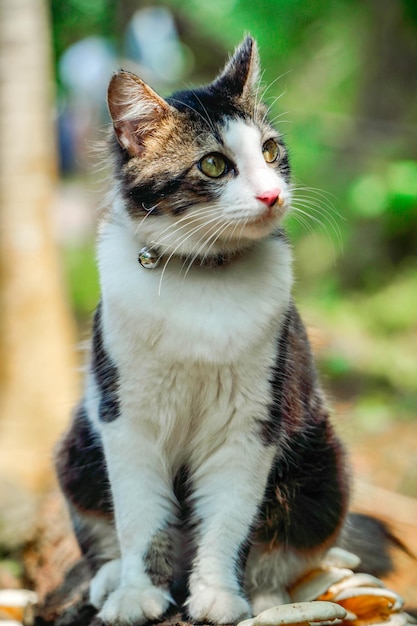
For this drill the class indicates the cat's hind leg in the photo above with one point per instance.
(98, 541)
(301, 517)
(82, 474)
(269, 570)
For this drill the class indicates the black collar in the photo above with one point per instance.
(150, 258)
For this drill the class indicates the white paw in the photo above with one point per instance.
(218, 606)
(133, 605)
(263, 601)
(104, 582)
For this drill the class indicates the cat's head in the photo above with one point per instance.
(202, 172)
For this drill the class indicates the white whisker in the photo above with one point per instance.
(272, 83)
(316, 208)
(324, 196)
(214, 236)
(179, 245)
(186, 221)
(319, 208)
(148, 213)
(277, 117)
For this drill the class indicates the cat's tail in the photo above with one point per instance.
(373, 541)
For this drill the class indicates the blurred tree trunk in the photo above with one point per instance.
(37, 358)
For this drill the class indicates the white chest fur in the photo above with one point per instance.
(206, 315)
(193, 350)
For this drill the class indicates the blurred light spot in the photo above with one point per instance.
(86, 66)
(152, 41)
(368, 196)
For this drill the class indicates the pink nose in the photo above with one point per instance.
(269, 197)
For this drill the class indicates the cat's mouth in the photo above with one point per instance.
(246, 230)
(266, 220)
(270, 214)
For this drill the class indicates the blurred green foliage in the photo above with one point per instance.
(340, 77)
(74, 19)
(82, 277)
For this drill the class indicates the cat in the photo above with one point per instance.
(201, 456)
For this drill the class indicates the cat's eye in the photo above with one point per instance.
(213, 165)
(270, 150)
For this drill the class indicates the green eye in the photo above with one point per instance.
(270, 150)
(213, 165)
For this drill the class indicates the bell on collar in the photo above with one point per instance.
(148, 258)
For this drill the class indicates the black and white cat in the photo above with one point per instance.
(202, 449)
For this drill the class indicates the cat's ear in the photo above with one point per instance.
(240, 76)
(135, 109)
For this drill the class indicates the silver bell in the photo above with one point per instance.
(149, 259)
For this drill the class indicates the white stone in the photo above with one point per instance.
(300, 613)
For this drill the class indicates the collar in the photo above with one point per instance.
(150, 258)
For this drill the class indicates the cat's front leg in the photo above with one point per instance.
(143, 509)
(228, 489)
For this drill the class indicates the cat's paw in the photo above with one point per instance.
(133, 605)
(104, 582)
(218, 606)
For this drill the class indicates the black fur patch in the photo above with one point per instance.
(179, 192)
(106, 375)
(208, 107)
(306, 497)
(81, 467)
(271, 429)
(147, 196)
(284, 165)
(182, 491)
(296, 394)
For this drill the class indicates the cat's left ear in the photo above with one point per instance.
(240, 76)
(136, 110)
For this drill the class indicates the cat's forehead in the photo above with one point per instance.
(217, 119)
(207, 104)
(212, 110)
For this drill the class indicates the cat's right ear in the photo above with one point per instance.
(240, 76)
(135, 110)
